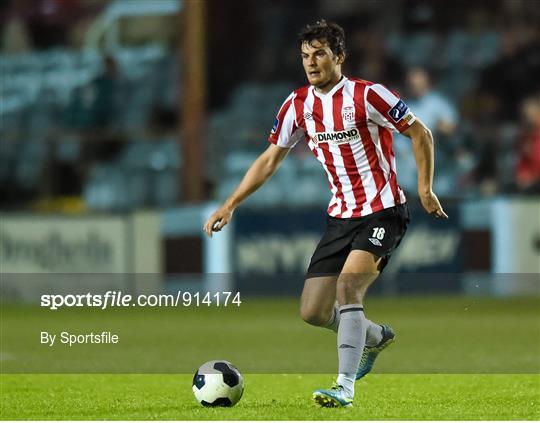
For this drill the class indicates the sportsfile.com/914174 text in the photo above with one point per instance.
(119, 299)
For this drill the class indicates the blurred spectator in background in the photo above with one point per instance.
(435, 110)
(438, 113)
(528, 156)
(94, 106)
(105, 94)
(93, 115)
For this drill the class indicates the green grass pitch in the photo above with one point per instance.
(454, 359)
(271, 397)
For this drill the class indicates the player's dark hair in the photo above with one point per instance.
(321, 30)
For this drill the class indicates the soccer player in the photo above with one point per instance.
(347, 123)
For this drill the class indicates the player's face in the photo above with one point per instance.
(322, 67)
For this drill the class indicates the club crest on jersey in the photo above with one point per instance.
(274, 128)
(348, 113)
(398, 111)
(339, 137)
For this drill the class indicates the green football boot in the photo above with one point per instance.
(333, 397)
(370, 353)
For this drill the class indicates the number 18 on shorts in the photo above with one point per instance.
(379, 233)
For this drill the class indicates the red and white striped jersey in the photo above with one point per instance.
(349, 130)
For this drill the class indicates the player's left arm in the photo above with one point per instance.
(385, 108)
(422, 143)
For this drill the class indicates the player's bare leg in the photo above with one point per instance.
(318, 302)
(319, 308)
(359, 271)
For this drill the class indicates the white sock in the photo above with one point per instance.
(373, 333)
(351, 340)
(347, 381)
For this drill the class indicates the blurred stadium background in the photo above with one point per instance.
(124, 122)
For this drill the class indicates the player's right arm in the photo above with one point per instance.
(259, 172)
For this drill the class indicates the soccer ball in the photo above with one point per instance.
(218, 384)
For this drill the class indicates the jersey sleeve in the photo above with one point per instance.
(285, 132)
(386, 109)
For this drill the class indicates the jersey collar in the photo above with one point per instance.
(330, 93)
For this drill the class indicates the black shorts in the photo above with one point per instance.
(379, 233)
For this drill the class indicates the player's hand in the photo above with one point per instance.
(431, 204)
(218, 220)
